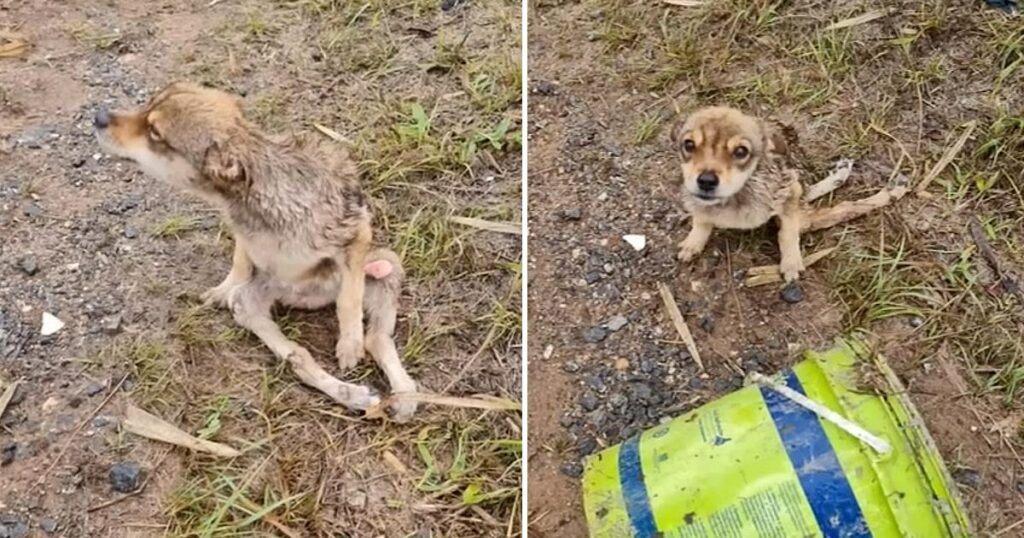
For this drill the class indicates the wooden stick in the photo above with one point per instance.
(500, 227)
(947, 158)
(153, 427)
(7, 397)
(679, 323)
(768, 274)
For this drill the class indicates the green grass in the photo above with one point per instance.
(174, 226)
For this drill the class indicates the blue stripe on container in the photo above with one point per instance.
(822, 478)
(634, 491)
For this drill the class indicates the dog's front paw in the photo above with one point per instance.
(349, 349)
(219, 296)
(687, 251)
(791, 269)
(403, 410)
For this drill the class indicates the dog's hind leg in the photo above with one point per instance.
(349, 303)
(384, 281)
(826, 217)
(840, 173)
(251, 305)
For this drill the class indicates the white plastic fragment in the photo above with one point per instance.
(637, 241)
(51, 324)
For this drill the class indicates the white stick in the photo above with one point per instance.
(880, 445)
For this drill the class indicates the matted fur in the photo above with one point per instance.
(300, 221)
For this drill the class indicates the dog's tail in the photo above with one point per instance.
(380, 307)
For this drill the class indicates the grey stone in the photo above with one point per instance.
(92, 389)
(967, 477)
(792, 293)
(111, 325)
(595, 335)
(7, 453)
(593, 277)
(570, 214)
(32, 210)
(589, 401)
(48, 524)
(131, 232)
(572, 469)
(545, 87)
(126, 477)
(29, 265)
(616, 323)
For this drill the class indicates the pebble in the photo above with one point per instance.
(126, 477)
(29, 265)
(586, 446)
(571, 366)
(792, 293)
(572, 469)
(967, 477)
(595, 335)
(356, 499)
(616, 323)
(12, 526)
(48, 524)
(637, 241)
(32, 210)
(92, 389)
(7, 453)
(571, 214)
(51, 324)
(1020, 487)
(545, 87)
(589, 402)
(131, 232)
(111, 325)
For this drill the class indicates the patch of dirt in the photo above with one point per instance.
(606, 81)
(121, 258)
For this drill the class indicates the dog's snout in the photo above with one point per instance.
(707, 181)
(102, 119)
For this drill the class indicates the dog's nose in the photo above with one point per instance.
(707, 181)
(102, 119)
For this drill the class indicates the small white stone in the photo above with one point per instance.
(602, 197)
(51, 325)
(637, 241)
(548, 351)
(97, 156)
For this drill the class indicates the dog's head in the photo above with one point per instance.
(186, 135)
(720, 149)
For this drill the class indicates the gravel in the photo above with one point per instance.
(792, 293)
(595, 335)
(126, 477)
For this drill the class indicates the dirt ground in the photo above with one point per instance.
(430, 98)
(606, 80)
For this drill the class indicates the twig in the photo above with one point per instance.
(684, 3)
(679, 323)
(947, 158)
(8, 396)
(78, 428)
(1006, 280)
(465, 367)
(333, 135)
(877, 443)
(854, 21)
(768, 274)
(500, 227)
(153, 427)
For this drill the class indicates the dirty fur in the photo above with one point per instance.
(736, 173)
(300, 221)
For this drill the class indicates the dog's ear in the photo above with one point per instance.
(776, 142)
(676, 136)
(223, 164)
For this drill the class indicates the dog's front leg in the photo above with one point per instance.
(350, 299)
(792, 262)
(241, 271)
(695, 242)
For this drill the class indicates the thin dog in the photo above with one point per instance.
(735, 174)
(300, 222)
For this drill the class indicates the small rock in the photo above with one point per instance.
(618, 400)
(586, 446)
(111, 325)
(451, 4)
(51, 324)
(13, 527)
(967, 477)
(1020, 487)
(549, 350)
(595, 382)
(50, 404)
(92, 389)
(589, 402)
(7, 453)
(792, 293)
(78, 163)
(571, 214)
(916, 321)
(28, 265)
(594, 277)
(102, 421)
(48, 524)
(637, 241)
(131, 232)
(616, 323)
(707, 323)
(571, 367)
(545, 87)
(621, 364)
(356, 499)
(595, 335)
(32, 210)
(126, 477)
(572, 469)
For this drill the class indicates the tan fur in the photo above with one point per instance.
(299, 218)
(754, 186)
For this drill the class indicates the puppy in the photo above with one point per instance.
(735, 174)
(300, 221)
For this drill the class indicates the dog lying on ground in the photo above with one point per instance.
(736, 175)
(300, 222)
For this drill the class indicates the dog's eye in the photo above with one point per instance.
(688, 145)
(154, 134)
(741, 152)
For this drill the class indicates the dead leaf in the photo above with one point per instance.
(11, 47)
(152, 427)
